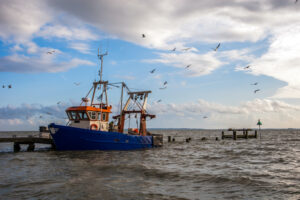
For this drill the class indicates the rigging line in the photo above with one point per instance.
(87, 94)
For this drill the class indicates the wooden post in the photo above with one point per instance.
(246, 135)
(169, 138)
(187, 140)
(30, 147)
(17, 147)
(255, 134)
(234, 135)
(223, 135)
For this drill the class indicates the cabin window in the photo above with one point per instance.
(73, 115)
(104, 116)
(69, 115)
(83, 115)
(92, 114)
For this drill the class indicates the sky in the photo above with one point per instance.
(206, 88)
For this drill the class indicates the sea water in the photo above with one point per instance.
(266, 168)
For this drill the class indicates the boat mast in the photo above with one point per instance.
(100, 82)
(100, 56)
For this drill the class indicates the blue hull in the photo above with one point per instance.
(70, 138)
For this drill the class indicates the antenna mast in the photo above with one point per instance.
(100, 56)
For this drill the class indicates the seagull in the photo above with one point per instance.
(76, 83)
(152, 71)
(9, 86)
(166, 82)
(254, 83)
(50, 52)
(58, 102)
(247, 67)
(49, 113)
(143, 35)
(217, 47)
(162, 88)
(256, 90)
(174, 49)
(159, 101)
(186, 49)
(188, 66)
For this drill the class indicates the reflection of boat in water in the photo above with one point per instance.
(89, 127)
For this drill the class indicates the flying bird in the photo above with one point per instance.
(186, 49)
(174, 49)
(166, 82)
(143, 35)
(188, 66)
(50, 52)
(215, 49)
(49, 113)
(247, 67)
(159, 101)
(254, 83)
(58, 102)
(152, 71)
(162, 88)
(76, 83)
(256, 90)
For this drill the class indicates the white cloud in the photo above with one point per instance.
(42, 63)
(68, 33)
(19, 20)
(273, 113)
(200, 64)
(282, 61)
(168, 24)
(81, 47)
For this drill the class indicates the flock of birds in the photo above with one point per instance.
(189, 65)
(8, 86)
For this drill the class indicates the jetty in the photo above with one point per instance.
(245, 133)
(43, 138)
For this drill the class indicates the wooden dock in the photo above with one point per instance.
(236, 134)
(30, 141)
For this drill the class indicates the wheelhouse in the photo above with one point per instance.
(89, 117)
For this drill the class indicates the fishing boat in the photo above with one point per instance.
(89, 127)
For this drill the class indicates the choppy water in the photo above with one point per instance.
(244, 169)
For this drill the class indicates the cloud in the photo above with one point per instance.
(43, 63)
(274, 114)
(200, 64)
(167, 24)
(81, 47)
(19, 20)
(282, 61)
(204, 107)
(31, 116)
(68, 33)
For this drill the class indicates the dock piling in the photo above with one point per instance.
(234, 135)
(239, 133)
(17, 147)
(30, 147)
